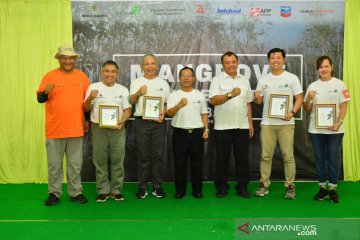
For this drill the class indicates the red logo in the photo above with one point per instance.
(346, 94)
(200, 8)
(244, 228)
(255, 12)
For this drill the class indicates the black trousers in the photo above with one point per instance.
(238, 139)
(150, 141)
(188, 146)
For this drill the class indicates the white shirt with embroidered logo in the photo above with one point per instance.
(233, 113)
(333, 91)
(285, 84)
(189, 116)
(116, 95)
(155, 88)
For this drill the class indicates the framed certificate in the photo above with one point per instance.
(108, 116)
(325, 115)
(278, 105)
(151, 108)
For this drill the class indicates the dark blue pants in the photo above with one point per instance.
(327, 156)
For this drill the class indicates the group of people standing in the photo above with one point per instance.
(69, 98)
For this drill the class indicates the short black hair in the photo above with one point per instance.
(110, 62)
(187, 68)
(283, 53)
(228, 54)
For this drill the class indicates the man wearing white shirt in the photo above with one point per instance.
(231, 94)
(278, 83)
(188, 110)
(108, 143)
(149, 134)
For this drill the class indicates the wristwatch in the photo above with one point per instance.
(293, 113)
(229, 95)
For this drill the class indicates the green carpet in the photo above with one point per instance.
(23, 215)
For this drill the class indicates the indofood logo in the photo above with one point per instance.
(228, 11)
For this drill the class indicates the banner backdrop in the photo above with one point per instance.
(196, 34)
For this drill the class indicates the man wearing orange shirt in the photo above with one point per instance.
(63, 91)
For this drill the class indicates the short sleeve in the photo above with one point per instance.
(214, 87)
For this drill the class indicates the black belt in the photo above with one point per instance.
(188, 130)
(147, 120)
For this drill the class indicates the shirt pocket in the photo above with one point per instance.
(225, 87)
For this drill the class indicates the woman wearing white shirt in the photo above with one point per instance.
(327, 141)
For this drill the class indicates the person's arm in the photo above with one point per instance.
(44, 95)
(205, 120)
(258, 99)
(220, 99)
(87, 105)
(126, 115)
(308, 101)
(162, 114)
(297, 105)
(87, 121)
(134, 98)
(172, 111)
(340, 119)
(307, 105)
(249, 115)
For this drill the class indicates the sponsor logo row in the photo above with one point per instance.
(201, 10)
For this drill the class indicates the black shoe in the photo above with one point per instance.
(79, 199)
(221, 193)
(52, 200)
(117, 197)
(102, 198)
(179, 195)
(141, 194)
(159, 193)
(197, 195)
(242, 191)
(322, 194)
(334, 197)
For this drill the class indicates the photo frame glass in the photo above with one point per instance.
(325, 115)
(152, 107)
(278, 105)
(108, 116)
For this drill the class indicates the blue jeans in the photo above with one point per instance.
(327, 152)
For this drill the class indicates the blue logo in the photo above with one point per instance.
(228, 11)
(285, 11)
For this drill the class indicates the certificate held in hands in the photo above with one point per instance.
(325, 115)
(151, 108)
(278, 105)
(108, 116)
